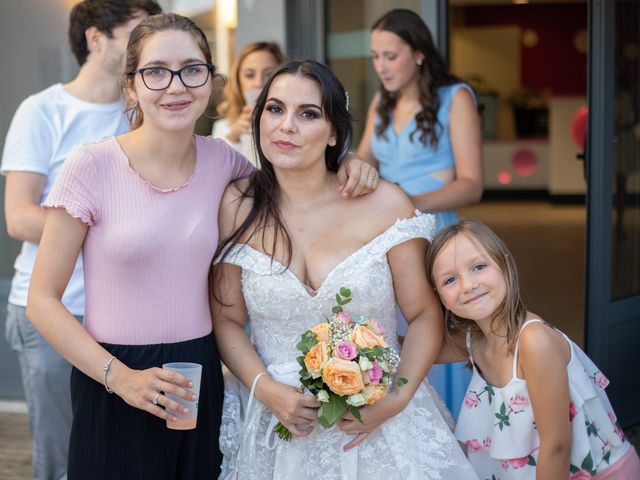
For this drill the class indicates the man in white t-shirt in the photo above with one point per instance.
(44, 129)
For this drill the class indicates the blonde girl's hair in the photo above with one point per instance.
(233, 102)
(512, 310)
(146, 28)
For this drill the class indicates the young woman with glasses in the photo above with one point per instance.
(143, 208)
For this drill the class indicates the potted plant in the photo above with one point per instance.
(487, 104)
(530, 111)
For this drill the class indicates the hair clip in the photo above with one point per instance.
(346, 103)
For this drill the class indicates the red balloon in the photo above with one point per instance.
(579, 126)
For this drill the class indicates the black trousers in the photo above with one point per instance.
(111, 440)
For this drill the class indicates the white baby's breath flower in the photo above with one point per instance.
(322, 396)
(365, 363)
(356, 400)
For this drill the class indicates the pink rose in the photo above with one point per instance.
(343, 317)
(374, 374)
(581, 475)
(518, 403)
(473, 445)
(572, 411)
(471, 400)
(486, 444)
(347, 350)
(377, 327)
(601, 380)
(515, 463)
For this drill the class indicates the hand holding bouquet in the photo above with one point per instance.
(346, 364)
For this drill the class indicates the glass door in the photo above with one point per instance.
(613, 201)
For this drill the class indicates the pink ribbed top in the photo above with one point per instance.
(147, 251)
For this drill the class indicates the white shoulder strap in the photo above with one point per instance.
(515, 352)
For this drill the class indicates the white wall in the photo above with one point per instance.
(261, 20)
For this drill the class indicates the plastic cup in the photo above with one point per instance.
(193, 371)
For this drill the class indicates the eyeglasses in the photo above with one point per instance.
(159, 78)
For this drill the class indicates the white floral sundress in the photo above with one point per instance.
(499, 430)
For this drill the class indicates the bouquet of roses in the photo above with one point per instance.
(346, 364)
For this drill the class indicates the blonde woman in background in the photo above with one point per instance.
(249, 72)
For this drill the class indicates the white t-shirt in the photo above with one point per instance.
(245, 146)
(43, 131)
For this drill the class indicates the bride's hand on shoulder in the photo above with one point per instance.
(372, 417)
(297, 411)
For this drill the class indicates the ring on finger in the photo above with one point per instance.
(155, 399)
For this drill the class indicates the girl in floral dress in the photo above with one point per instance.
(536, 406)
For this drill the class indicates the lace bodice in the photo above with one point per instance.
(281, 308)
(416, 444)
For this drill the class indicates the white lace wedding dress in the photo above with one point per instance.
(415, 444)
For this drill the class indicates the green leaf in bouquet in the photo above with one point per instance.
(300, 361)
(345, 292)
(338, 299)
(336, 309)
(369, 353)
(401, 381)
(330, 412)
(308, 340)
(345, 301)
(355, 411)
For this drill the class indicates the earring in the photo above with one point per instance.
(332, 142)
(419, 62)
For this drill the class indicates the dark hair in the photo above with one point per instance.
(512, 310)
(432, 74)
(146, 28)
(234, 101)
(105, 15)
(263, 187)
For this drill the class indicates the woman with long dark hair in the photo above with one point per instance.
(290, 243)
(423, 133)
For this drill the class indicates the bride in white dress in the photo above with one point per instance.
(292, 242)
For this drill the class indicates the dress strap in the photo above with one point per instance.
(468, 342)
(515, 351)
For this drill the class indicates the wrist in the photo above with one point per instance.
(264, 388)
(118, 371)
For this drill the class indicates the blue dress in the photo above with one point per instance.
(410, 164)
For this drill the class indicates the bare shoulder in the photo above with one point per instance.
(234, 206)
(390, 203)
(463, 95)
(541, 344)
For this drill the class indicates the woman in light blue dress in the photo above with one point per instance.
(423, 133)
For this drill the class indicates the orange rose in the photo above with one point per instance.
(322, 331)
(373, 393)
(343, 377)
(363, 337)
(316, 358)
